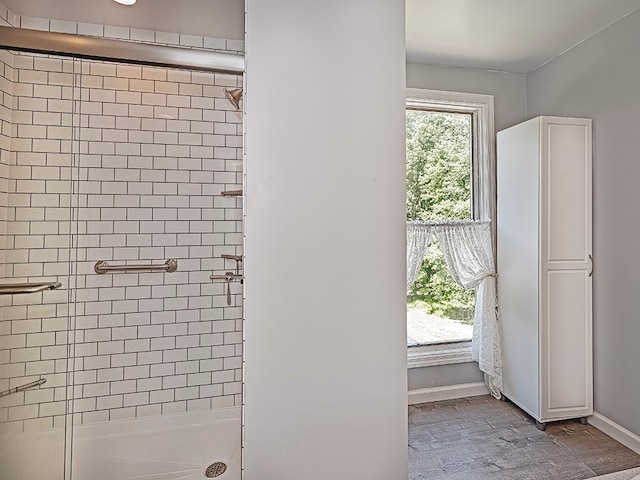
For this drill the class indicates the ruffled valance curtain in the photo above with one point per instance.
(468, 253)
(418, 240)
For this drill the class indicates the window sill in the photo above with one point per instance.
(440, 354)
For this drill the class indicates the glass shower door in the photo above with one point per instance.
(130, 374)
(161, 397)
(36, 226)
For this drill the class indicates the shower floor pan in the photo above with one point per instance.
(176, 447)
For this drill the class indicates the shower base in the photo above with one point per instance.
(175, 447)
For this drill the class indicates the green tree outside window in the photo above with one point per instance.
(439, 187)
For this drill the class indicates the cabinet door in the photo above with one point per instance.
(566, 334)
(518, 169)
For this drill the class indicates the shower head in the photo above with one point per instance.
(233, 95)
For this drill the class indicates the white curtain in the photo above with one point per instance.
(418, 240)
(468, 253)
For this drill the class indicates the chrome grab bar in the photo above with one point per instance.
(17, 288)
(26, 386)
(103, 267)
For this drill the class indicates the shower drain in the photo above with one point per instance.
(215, 470)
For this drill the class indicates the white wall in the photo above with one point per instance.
(509, 91)
(326, 387)
(598, 79)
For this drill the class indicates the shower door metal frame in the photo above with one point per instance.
(104, 49)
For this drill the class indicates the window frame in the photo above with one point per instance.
(483, 193)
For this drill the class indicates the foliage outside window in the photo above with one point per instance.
(439, 186)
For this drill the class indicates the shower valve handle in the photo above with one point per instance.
(229, 276)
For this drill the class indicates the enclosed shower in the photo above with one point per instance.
(120, 261)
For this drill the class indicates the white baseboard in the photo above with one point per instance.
(615, 431)
(435, 394)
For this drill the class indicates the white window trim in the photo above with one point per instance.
(484, 193)
(439, 354)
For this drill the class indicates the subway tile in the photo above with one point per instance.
(167, 38)
(138, 345)
(140, 35)
(215, 43)
(155, 99)
(211, 390)
(178, 101)
(222, 376)
(171, 88)
(148, 410)
(51, 408)
(109, 402)
(237, 45)
(210, 365)
(41, 339)
(154, 73)
(122, 413)
(124, 333)
(135, 372)
(169, 356)
(124, 386)
(149, 384)
(129, 211)
(33, 23)
(138, 85)
(95, 390)
(171, 408)
(138, 318)
(163, 370)
(23, 412)
(191, 40)
(198, 404)
(232, 388)
(95, 417)
(187, 393)
(42, 395)
(85, 349)
(110, 348)
(121, 33)
(124, 360)
(97, 362)
(161, 396)
(149, 358)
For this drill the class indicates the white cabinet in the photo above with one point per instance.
(545, 266)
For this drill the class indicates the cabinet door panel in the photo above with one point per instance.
(567, 200)
(567, 344)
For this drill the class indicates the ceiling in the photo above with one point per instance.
(508, 35)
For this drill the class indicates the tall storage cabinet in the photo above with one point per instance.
(545, 266)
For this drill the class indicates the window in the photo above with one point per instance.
(439, 172)
(450, 171)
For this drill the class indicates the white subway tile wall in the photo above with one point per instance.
(103, 161)
(6, 101)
